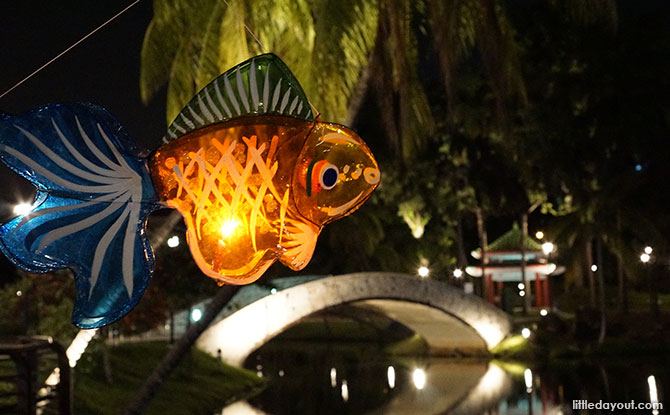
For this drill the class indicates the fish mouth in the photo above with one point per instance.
(338, 210)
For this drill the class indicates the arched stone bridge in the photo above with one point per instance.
(444, 316)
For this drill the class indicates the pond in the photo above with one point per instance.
(356, 379)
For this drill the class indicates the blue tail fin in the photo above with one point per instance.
(94, 194)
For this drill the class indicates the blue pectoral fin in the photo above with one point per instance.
(94, 196)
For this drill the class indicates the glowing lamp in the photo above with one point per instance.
(423, 271)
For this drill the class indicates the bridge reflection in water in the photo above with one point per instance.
(450, 387)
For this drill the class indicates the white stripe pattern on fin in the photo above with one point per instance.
(284, 100)
(213, 106)
(113, 179)
(262, 84)
(231, 94)
(266, 91)
(220, 98)
(294, 104)
(205, 111)
(240, 89)
(275, 95)
(253, 87)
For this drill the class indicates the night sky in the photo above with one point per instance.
(104, 69)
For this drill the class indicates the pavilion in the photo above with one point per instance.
(503, 279)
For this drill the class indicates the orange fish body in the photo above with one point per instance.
(243, 189)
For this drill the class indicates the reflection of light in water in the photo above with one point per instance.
(490, 332)
(345, 391)
(493, 379)
(528, 378)
(653, 393)
(390, 375)
(333, 377)
(419, 378)
(241, 408)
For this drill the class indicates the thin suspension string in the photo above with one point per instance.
(68, 49)
(251, 32)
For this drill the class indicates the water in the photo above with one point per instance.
(327, 380)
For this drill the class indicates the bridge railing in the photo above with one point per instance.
(25, 364)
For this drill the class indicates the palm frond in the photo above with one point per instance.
(344, 35)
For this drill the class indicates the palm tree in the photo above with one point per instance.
(341, 51)
(338, 50)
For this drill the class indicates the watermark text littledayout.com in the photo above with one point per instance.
(616, 406)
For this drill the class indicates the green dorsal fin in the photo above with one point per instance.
(260, 85)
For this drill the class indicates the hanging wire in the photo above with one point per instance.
(68, 49)
(251, 32)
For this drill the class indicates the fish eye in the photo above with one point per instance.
(328, 177)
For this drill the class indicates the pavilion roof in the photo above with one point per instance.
(511, 242)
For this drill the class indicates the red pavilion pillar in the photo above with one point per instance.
(546, 292)
(539, 292)
(491, 288)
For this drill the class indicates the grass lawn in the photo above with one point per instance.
(199, 385)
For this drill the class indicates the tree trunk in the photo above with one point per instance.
(106, 363)
(621, 276)
(360, 91)
(177, 352)
(171, 326)
(484, 244)
(460, 244)
(588, 261)
(526, 286)
(601, 288)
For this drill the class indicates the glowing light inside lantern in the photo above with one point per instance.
(228, 228)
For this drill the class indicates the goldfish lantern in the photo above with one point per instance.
(253, 173)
